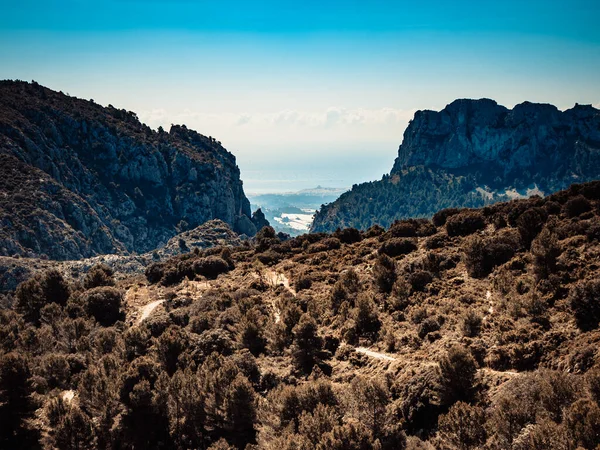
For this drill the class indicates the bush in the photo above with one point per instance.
(457, 376)
(155, 272)
(104, 304)
(465, 223)
(98, 275)
(429, 325)
(348, 235)
(419, 280)
(385, 273)
(471, 323)
(530, 223)
(464, 426)
(306, 345)
(396, 247)
(32, 294)
(440, 218)
(584, 299)
(482, 255)
(211, 266)
(577, 206)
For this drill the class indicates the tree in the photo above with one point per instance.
(384, 272)
(457, 376)
(371, 397)
(104, 304)
(463, 426)
(98, 275)
(306, 344)
(584, 302)
(240, 411)
(15, 402)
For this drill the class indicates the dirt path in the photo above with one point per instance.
(373, 354)
(147, 310)
(68, 396)
(279, 279)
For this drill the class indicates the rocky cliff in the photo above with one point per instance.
(78, 179)
(472, 153)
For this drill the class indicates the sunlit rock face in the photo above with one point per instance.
(79, 179)
(473, 153)
(469, 132)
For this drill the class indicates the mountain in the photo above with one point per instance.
(473, 153)
(78, 179)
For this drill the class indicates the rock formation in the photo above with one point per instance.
(472, 153)
(78, 179)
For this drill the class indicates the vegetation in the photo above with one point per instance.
(419, 336)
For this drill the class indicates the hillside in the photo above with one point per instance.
(78, 179)
(474, 153)
(476, 329)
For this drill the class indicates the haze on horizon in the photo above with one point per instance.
(310, 93)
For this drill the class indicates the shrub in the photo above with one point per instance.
(348, 235)
(577, 206)
(471, 323)
(429, 325)
(307, 343)
(482, 255)
(436, 241)
(396, 247)
(32, 294)
(215, 341)
(367, 317)
(440, 218)
(545, 250)
(457, 376)
(104, 304)
(584, 299)
(98, 275)
(465, 223)
(404, 228)
(211, 266)
(530, 223)
(384, 271)
(303, 282)
(419, 280)
(155, 272)
(463, 426)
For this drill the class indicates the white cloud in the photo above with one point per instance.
(256, 133)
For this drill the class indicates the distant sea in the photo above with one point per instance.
(294, 176)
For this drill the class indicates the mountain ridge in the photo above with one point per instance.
(473, 153)
(110, 183)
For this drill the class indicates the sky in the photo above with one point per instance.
(304, 93)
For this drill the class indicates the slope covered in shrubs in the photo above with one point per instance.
(478, 329)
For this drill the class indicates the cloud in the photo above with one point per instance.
(333, 126)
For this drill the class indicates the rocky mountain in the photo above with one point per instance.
(473, 153)
(78, 179)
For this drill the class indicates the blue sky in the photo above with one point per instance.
(307, 82)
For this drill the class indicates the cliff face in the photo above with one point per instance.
(472, 153)
(78, 179)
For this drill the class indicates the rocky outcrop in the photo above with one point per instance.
(78, 179)
(472, 153)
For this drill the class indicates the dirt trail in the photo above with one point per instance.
(279, 279)
(373, 354)
(508, 373)
(68, 396)
(147, 310)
